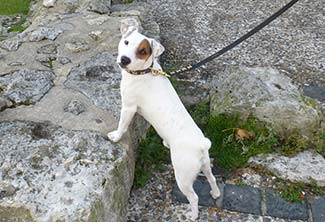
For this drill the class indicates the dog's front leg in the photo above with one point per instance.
(127, 114)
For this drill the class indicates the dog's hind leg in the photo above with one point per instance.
(186, 186)
(185, 175)
(206, 169)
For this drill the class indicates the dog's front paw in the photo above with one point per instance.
(114, 136)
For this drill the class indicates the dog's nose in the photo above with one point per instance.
(125, 60)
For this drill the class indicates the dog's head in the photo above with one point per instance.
(136, 51)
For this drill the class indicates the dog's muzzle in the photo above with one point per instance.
(124, 61)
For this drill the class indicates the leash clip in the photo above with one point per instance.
(157, 72)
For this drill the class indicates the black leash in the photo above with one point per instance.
(232, 45)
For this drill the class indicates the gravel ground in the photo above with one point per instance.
(294, 43)
(154, 203)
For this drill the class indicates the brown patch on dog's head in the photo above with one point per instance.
(144, 50)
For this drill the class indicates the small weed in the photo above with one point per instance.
(292, 143)
(18, 26)
(11, 7)
(292, 193)
(240, 183)
(152, 155)
(315, 189)
(295, 192)
(26, 103)
(127, 1)
(50, 61)
(309, 101)
(318, 142)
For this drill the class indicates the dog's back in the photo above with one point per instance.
(158, 102)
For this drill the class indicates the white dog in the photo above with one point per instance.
(154, 98)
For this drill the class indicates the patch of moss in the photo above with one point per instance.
(11, 7)
(309, 101)
(12, 213)
(291, 143)
(151, 156)
(26, 103)
(318, 142)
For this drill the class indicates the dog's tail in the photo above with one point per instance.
(206, 143)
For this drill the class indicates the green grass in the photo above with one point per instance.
(318, 142)
(11, 7)
(151, 156)
(295, 192)
(292, 193)
(240, 183)
(227, 148)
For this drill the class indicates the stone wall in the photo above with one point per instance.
(59, 97)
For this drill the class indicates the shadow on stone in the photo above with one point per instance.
(244, 199)
(278, 207)
(202, 189)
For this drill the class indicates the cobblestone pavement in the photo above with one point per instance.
(156, 202)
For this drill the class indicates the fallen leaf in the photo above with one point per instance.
(243, 134)
(212, 211)
(233, 181)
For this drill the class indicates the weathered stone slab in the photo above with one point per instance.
(42, 33)
(98, 79)
(48, 3)
(48, 49)
(26, 85)
(269, 96)
(4, 103)
(77, 45)
(244, 199)
(318, 209)
(305, 167)
(202, 189)
(74, 106)
(55, 174)
(11, 44)
(278, 207)
(100, 6)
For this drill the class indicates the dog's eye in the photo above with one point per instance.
(143, 52)
(126, 42)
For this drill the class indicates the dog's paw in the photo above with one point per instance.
(192, 216)
(114, 136)
(215, 194)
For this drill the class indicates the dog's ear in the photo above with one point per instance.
(157, 48)
(128, 26)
